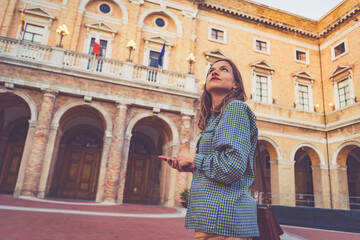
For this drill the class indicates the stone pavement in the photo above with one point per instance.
(31, 218)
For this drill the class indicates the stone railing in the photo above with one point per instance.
(54, 56)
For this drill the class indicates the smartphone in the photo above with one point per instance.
(166, 158)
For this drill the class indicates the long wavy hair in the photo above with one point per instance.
(206, 103)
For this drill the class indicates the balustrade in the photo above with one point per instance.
(55, 56)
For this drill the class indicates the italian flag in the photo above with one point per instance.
(22, 26)
(96, 48)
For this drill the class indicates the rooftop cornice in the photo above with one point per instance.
(282, 25)
(337, 22)
(258, 18)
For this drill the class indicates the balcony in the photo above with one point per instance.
(123, 72)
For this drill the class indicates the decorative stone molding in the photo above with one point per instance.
(39, 12)
(139, 2)
(257, 18)
(340, 72)
(282, 25)
(303, 75)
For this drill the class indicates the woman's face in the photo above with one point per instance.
(220, 78)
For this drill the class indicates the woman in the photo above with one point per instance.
(220, 204)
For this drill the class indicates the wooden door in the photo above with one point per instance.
(136, 182)
(80, 173)
(11, 165)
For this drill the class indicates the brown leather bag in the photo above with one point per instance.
(269, 227)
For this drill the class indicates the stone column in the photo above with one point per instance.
(185, 135)
(282, 182)
(339, 183)
(47, 162)
(114, 162)
(103, 166)
(34, 166)
(25, 158)
(123, 166)
(321, 186)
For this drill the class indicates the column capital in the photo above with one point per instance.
(50, 92)
(338, 167)
(185, 116)
(32, 123)
(282, 162)
(122, 105)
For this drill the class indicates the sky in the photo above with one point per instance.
(313, 9)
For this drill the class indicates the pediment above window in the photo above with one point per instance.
(340, 73)
(38, 11)
(103, 27)
(216, 53)
(304, 76)
(158, 39)
(263, 67)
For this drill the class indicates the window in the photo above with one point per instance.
(304, 83)
(303, 97)
(153, 58)
(301, 56)
(33, 33)
(262, 73)
(104, 8)
(160, 22)
(344, 93)
(261, 88)
(261, 46)
(217, 34)
(339, 50)
(103, 46)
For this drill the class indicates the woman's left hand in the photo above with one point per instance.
(185, 161)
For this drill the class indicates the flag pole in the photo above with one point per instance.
(97, 36)
(22, 26)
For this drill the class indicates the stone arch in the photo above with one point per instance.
(343, 150)
(171, 15)
(30, 102)
(63, 109)
(173, 128)
(272, 147)
(84, 128)
(83, 4)
(167, 182)
(315, 155)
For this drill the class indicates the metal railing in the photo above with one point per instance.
(308, 200)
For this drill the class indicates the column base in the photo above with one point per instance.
(28, 193)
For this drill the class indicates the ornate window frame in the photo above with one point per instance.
(304, 78)
(40, 17)
(106, 33)
(262, 68)
(340, 74)
(159, 42)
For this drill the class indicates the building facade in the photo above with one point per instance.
(81, 126)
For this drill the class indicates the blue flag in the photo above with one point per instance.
(160, 59)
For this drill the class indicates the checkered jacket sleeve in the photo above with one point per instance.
(232, 145)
